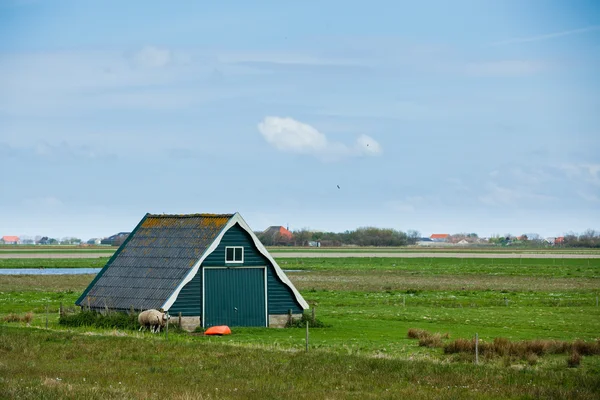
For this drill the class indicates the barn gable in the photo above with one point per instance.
(280, 298)
(163, 261)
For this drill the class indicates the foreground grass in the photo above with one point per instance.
(45, 364)
(370, 304)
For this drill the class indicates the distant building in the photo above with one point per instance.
(116, 239)
(277, 236)
(94, 241)
(440, 237)
(463, 242)
(10, 240)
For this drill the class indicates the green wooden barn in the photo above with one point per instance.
(211, 268)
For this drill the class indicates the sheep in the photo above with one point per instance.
(152, 319)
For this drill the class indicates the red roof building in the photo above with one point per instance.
(10, 239)
(440, 237)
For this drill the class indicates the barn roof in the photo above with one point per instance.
(439, 236)
(160, 256)
(153, 261)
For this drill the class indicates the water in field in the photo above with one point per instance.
(48, 271)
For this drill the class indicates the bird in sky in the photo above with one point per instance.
(338, 186)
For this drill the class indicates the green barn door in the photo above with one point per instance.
(234, 297)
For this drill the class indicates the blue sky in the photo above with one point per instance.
(444, 117)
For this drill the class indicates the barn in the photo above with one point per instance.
(211, 268)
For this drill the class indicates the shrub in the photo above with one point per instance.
(586, 348)
(416, 333)
(574, 360)
(460, 346)
(301, 322)
(11, 318)
(27, 317)
(434, 340)
(116, 320)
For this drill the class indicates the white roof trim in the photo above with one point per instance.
(280, 274)
(236, 219)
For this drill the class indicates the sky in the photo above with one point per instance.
(443, 117)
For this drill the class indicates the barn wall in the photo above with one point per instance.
(280, 297)
(189, 301)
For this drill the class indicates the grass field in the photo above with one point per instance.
(369, 305)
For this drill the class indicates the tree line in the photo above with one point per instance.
(364, 236)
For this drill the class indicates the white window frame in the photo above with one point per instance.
(233, 261)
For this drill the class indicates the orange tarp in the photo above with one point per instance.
(218, 330)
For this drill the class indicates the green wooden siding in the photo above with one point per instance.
(189, 301)
(234, 297)
(280, 297)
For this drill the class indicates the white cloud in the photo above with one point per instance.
(288, 134)
(153, 57)
(368, 146)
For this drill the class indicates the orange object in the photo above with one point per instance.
(218, 330)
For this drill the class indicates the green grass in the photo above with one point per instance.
(368, 306)
(52, 365)
(531, 267)
(53, 262)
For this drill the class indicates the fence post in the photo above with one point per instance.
(131, 310)
(167, 328)
(506, 302)
(61, 310)
(306, 335)
(290, 317)
(476, 348)
(596, 301)
(404, 301)
(179, 321)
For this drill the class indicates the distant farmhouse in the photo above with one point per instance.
(116, 239)
(440, 237)
(211, 268)
(10, 240)
(277, 236)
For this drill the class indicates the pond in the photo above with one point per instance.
(48, 271)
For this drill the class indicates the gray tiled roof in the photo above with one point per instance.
(158, 254)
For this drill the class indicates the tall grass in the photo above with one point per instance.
(64, 365)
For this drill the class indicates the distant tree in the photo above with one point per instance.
(413, 236)
(301, 237)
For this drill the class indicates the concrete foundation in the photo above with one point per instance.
(279, 320)
(187, 323)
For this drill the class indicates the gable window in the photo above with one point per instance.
(234, 254)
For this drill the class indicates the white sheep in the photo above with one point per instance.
(152, 319)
